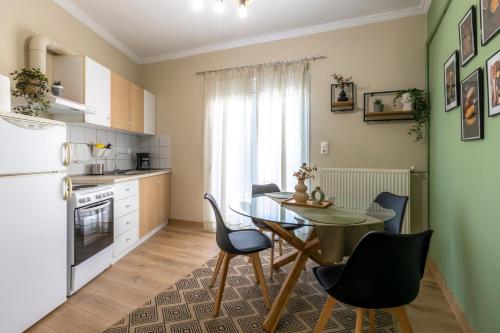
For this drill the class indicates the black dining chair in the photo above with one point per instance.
(383, 272)
(398, 205)
(258, 190)
(233, 243)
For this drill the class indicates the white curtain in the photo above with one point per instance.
(256, 130)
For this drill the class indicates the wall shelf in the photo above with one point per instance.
(390, 113)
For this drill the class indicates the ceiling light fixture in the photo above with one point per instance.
(242, 9)
(219, 6)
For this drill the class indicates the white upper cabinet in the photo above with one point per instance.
(86, 82)
(98, 92)
(149, 113)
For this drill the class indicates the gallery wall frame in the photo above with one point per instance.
(472, 110)
(467, 36)
(451, 72)
(493, 84)
(489, 11)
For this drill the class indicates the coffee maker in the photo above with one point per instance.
(143, 161)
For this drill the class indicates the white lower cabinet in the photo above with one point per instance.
(126, 214)
(126, 222)
(124, 241)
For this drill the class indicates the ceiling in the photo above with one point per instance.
(156, 30)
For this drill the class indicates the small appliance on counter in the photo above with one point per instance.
(143, 161)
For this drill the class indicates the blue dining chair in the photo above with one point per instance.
(233, 243)
(258, 190)
(384, 271)
(398, 205)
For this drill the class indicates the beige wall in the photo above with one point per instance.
(21, 19)
(382, 56)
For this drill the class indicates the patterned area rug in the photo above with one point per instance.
(187, 306)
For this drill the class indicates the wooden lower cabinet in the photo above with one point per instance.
(164, 202)
(154, 202)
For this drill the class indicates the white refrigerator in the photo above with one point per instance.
(33, 219)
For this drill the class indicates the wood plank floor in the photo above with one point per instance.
(170, 255)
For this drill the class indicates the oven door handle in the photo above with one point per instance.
(91, 208)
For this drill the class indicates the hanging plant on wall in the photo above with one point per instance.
(418, 99)
(31, 85)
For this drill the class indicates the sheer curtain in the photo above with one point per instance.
(256, 130)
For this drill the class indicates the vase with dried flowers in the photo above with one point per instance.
(305, 172)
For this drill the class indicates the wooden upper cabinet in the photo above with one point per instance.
(120, 102)
(136, 108)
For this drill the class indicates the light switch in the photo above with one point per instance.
(324, 148)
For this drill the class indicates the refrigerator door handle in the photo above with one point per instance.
(67, 188)
(67, 153)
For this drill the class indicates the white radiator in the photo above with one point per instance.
(352, 188)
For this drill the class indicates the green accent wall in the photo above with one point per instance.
(464, 183)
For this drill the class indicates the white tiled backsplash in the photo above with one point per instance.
(124, 148)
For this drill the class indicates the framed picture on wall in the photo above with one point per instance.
(451, 82)
(490, 19)
(472, 106)
(493, 79)
(467, 36)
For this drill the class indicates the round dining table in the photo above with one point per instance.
(329, 234)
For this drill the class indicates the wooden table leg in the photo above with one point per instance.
(281, 300)
(305, 249)
(286, 259)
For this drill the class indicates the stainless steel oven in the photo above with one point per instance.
(90, 233)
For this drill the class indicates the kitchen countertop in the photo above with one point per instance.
(112, 178)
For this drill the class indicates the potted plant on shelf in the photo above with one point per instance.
(418, 100)
(305, 172)
(32, 86)
(57, 89)
(378, 106)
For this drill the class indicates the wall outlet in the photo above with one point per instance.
(324, 150)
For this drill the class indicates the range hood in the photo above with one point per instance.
(59, 105)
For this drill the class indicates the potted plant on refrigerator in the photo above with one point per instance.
(31, 86)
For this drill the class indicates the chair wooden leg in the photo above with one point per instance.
(325, 314)
(371, 316)
(217, 268)
(280, 244)
(359, 321)
(225, 267)
(260, 277)
(271, 260)
(403, 320)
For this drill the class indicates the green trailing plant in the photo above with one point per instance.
(32, 86)
(420, 110)
(57, 83)
(378, 101)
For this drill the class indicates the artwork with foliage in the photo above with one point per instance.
(32, 86)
